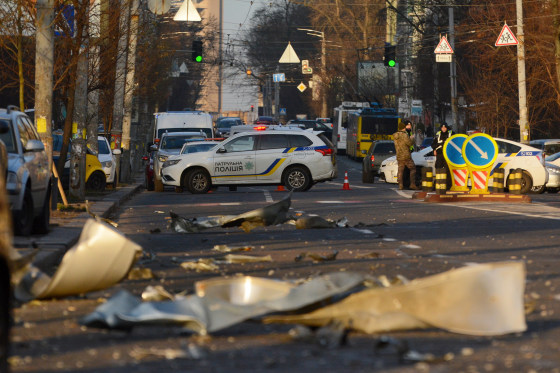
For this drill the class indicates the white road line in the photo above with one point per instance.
(267, 196)
(403, 194)
(534, 210)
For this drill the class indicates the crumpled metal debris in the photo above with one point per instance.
(201, 265)
(482, 299)
(221, 302)
(156, 293)
(317, 222)
(101, 258)
(273, 214)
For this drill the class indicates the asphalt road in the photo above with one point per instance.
(404, 237)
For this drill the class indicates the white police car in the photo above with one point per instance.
(511, 155)
(294, 158)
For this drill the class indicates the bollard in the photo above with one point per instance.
(441, 180)
(427, 179)
(514, 181)
(498, 181)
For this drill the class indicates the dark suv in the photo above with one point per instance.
(378, 152)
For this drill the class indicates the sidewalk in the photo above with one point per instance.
(65, 230)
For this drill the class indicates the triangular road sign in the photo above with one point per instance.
(289, 55)
(443, 46)
(506, 37)
(187, 12)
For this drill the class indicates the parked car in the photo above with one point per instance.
(426, 142)
(548, 146)
(296, 159)
(224, 124)
(170, 144)
(554, 159)
(314, 125)
(511, 155)
(106, 157)
(265, 120)
(378, 152)
(553, 183)
(96, 179)
(28, 180)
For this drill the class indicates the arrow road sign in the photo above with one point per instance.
(452, 150)
(480, 150)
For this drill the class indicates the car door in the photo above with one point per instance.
(36, 161)
(273, 156)
(234, 162)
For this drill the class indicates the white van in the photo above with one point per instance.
(183, 121)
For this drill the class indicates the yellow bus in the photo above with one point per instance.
(369, 125)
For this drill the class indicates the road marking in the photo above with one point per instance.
(403, 194)
(267, 196)
(217, 204)
(534, 210)
(335, 202)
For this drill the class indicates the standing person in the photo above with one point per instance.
(404, 141)
(437, 144)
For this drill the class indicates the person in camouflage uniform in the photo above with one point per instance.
(404, 142)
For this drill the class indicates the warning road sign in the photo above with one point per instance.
(506, 37)
(443, 46)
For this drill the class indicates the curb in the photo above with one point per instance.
(62, 237)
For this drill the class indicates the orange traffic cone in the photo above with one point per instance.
(346, 185)
(280, 188)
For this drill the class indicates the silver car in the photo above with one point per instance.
(28, 180)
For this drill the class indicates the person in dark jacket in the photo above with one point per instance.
(437, 144)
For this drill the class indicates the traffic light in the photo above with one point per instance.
(390, 55)
(196, 51)
(252, 108)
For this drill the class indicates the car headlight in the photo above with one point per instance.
(12, 181)
(171, 162)
(107, 164)
(554, 170)
(162, 158)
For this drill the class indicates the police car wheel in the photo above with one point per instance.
(197, 181)
(297, 179)
(526, 183)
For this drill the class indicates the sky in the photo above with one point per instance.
(237, 19)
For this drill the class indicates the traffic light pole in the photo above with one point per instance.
(453, 73)
(524, 135)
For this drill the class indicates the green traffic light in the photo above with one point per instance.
(391, 63)
(198, 58)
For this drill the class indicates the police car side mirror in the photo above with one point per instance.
(222, 150)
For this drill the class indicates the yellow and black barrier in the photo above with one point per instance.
(427, 179)
(441, 180)
(498, 180)
(514, 181)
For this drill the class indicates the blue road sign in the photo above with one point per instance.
(281, 77)
(282, 111)
(453, 150)
(480, 150)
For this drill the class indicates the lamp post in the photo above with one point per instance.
(321, 34)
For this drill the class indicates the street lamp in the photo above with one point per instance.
(321, 34)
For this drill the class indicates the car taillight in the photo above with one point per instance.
(325, 151)
(358, 146)
(372, 159)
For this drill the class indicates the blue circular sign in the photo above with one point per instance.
(453, 150)
(480, 150)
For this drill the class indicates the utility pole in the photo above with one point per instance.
(118, 102)
(324, 113)
(524, 135)
(277, 97)
(453, 72)
(78, 154)
(129, 90)
(44, 62)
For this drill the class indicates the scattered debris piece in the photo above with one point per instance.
(201, 265)
(96, 217)
(140, 274)
(273, 214)
(445, 300)
(156, 293)
(316, 222)
(167, 353)
(317, 257)
(194, 225)
(227, 249)
(332, 336)
(101, 258)
(236, 258)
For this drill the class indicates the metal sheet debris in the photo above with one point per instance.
(101, 258)
(227, 249)
(201, 265)
(482, 299)
(317, 257)
(222, 302)
(273, 214)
